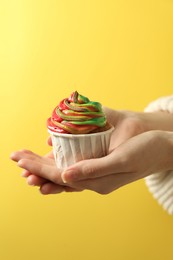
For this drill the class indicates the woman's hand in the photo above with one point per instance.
(39, 169)
(136, 158)
(42, 171)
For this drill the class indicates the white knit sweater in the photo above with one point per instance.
(160, 184)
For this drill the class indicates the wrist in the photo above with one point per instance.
(157, 121)
(160, 145)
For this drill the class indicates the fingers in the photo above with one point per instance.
(106, 184)
(16, 156)
(95, 168)
(49, 141)
(35, 180)
(26, 154)
(49, 155)
(41, 171)
(47, 187)
(25, 173)
(49, 172)
(51, 188)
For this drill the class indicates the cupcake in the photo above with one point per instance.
(79, 130)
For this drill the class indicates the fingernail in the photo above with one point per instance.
(19, 163)
(23, 174)
(12, 155)
(30, 181)
(63, 176)
(43, 190)
(68, 175)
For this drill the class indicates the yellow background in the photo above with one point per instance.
(118, 52)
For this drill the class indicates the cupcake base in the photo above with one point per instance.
(69, 149)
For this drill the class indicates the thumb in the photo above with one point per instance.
(93, 168)
(49, 141)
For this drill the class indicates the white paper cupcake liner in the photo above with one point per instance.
(69, 149)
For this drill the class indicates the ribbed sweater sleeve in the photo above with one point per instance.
(160, 184)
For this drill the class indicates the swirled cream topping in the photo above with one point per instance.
(77, 115)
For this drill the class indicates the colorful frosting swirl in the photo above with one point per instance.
(77, 115)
